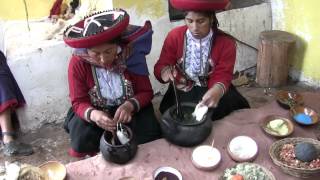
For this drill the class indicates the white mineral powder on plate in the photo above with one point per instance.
(206, 156)
(243, 147)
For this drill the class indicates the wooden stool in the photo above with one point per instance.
(272, 63)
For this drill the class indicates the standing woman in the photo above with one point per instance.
(200, 58)
(108, 80)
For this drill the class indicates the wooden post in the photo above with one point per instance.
(272, 62)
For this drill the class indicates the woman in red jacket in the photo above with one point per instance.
(108, 80)
(200, 58)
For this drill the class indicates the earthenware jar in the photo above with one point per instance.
(117, 152)
(186, 130)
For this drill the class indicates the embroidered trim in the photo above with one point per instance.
(127, 90)
(135, 104)
(208, 64)
(196, 67)
(101, 103)
(87, 114)
(221, 86)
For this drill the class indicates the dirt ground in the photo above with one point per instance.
(51, 142)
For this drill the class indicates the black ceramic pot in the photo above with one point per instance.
(118, 153)
(185, 131)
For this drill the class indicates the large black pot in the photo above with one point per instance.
(119, 153)
(185, 131)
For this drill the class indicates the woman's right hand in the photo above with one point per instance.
(103, 120)
(168, 73)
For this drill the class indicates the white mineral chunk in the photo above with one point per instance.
(122, 137)
(200, 111)
(12, 171)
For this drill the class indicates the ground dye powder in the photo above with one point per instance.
(303, 118)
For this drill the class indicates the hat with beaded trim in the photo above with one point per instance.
(96, 28)
(200, 5)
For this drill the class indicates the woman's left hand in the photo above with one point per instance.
(124, 113)
(212, 96)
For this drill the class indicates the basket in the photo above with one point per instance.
(293, 171)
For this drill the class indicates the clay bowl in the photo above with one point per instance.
(266, 127)
(54, 170)
(206, 157)
(304, 115)
(166, 172)
(245, 143)
(287, 99)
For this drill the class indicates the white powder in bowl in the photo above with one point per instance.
(243, 147)
(206, 156)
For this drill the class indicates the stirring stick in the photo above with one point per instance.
(113, 141)
(212, 142)
(179, 113)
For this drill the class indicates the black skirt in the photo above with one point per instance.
(10, 93)
(85, 136)
(232, 100)
(11, 96)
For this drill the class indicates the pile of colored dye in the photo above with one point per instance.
(303, 118)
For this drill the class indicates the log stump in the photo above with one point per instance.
(273, 62)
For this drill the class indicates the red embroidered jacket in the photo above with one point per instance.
(81, 81)
(223, 55)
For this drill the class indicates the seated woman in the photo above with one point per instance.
(108, 80)
(200, 58)
(11, 98)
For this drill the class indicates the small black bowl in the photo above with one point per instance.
(119, 154)
(288, 99)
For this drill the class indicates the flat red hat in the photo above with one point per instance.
(200, 5)
(96, 29)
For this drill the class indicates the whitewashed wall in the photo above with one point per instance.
(40, 68)
(42, 77)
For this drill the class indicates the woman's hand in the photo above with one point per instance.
(171, 73)
(212, 96)
(103, 120)
(124, 113)
(168, 73)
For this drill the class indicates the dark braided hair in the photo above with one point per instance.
(211, 15)
(215, 23)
